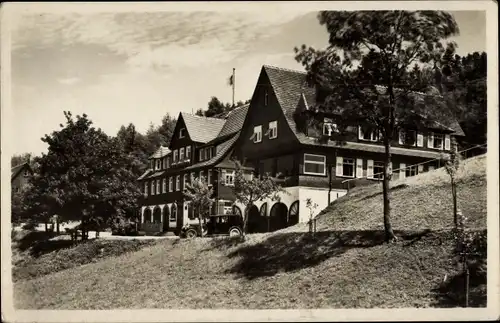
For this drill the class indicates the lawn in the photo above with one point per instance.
(346, 265)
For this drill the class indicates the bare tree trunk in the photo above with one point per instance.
(46, 227)
(57, 226)
(245, 219)
(389, 233)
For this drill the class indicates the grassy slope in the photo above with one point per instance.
(340, 268)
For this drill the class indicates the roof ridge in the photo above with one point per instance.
(284, 69)
(200, 117)
(246, 105)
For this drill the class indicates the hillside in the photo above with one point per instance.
(346, 265)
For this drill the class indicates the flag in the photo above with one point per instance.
(230, 81)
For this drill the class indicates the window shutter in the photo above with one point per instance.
(420, 168)
(369, 170)
(360, 133)
(401, 137)
(420, 140)
(402, 170)
(430, 140)
(338, 168)
(447, 142)
(359, 168)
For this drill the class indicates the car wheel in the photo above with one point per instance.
(191, 233)
(234, 232)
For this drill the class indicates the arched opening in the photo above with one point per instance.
(293, 214)
(173, 212)
(147, 215)
(157, 215)
(278, 217)
(166, 214)
(253, 219)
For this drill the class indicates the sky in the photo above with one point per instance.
(136, 67)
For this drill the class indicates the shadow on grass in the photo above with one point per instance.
(39, 243)
(452, 292)
(294, 251)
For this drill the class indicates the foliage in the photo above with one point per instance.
(462, 79)
(200, 195)
(366, 76)
(249, 189)
(216, 107)
(85, 176)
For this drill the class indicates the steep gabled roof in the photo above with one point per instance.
(16, 170)
(234, 120)
(290, 86)
(222, 151)
(160, 152)
(202, 129)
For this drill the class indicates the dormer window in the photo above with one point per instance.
(176, 154)
(182, 132)
(367, 135)
(188, 152)
(158, 164)
(329, 127)
(167, 162)
(209, 152)
(408, 137)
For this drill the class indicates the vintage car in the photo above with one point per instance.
(219, 224)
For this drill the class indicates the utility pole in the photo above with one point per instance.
(234, 82)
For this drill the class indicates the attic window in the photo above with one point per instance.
(182, 132)
(329, 127)
(266, 98)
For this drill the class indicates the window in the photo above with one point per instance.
(367, 135)
(209, 152)
(171, 184)
(181, 154)
(314, 164)
(201, 176)
(411, 171)
(202, 154)
(184, 180)
(152, 187)
(167, 159)
(266, 98)
(188, 152)
(329, 127)
(182, 132)
(273, 129)
(257, 134)
(173, 212)
(178, 182)
(164, 182)
(158, 186)
(145, 188)
(408, 137)
(438, 141)
(26, 173)
(378, 170)
(345, 167)
(228, 207)
(228, 177)
(175, 156)
(209, 177)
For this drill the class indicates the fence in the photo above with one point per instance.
(466, 153)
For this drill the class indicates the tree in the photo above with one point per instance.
(451, 164)
(85, 176)
(249, 189)
(201, 199)
(215, 107)
(365, 74)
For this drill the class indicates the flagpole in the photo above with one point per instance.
(234, 82)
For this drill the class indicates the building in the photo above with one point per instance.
(200, 147)
(19, 176)
(273, 134)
